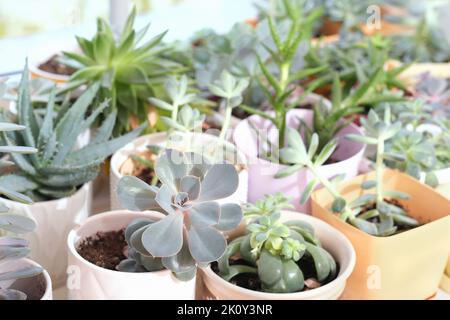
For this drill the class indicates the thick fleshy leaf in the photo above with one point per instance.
(129, 265)
(205, 214)
(135, 194)
(134, 225)
(19, 274)
(12, 253)
(181, 262)
(365, 226)
(136, 242)
(16, 223)
(151, 263)
(165, 237)
(11, 294)
(171, 167)
(164, 198)
(206, 244)
(220, 181)
(230, 217)
(13, 242)
(190, 185)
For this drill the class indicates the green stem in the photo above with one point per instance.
(379, 170)
(347, 212)
(280, 108)
(226, 122)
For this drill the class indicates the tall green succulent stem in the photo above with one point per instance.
(379, 170)
(280, 108)
(226, 122)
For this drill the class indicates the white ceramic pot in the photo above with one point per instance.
(332, 240)
(54, 220)
(87, 281)
(38, 287)
(189, 139)
(41, 54)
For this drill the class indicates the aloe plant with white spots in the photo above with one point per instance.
(13, 247)
(385, 218)
(58, 168)
(190, 234)
(286, 257)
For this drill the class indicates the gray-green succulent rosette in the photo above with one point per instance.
(190, 234)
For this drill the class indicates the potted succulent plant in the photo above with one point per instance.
(58, 176)
(127, 70)
(281, 255)
(184, 133)
(261, 135)
(393, 215)
(163, 248)
(20, 278)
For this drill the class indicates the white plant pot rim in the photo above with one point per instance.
(48, 293)
(34, 68)
(72, 238)
(343, 274)
(126, 150)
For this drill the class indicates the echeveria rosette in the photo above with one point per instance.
(190, 233)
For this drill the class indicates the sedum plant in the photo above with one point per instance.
(286, 49)
(286, 257)
(190, 233)
(12, 247)
(127, 70)
(375, 213)
(59, 167)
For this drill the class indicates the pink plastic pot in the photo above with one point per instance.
(261, 172)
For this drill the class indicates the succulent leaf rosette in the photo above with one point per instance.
(190, 233)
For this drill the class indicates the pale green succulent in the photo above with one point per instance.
(230, 89)
(190, 233)
(58, 168)
(282, 255)
(268, 205)
(385, 219)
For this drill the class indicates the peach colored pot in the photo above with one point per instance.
(38, 287)
(189, 139)
(87, 281)
(407, 265)
(54, 220)
(262, 172)
(332, 240)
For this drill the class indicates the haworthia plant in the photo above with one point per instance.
(287, 257)
(12, 247)
(59, 168)
(385, 218)
(190, 233)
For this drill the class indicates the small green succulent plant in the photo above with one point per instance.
(59, 167)
(190, 233)
(375, 213)
(127, 70)
(286, 257)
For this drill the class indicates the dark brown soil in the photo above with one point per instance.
(241, 114)
(147, 175)
(52, 65)
(104, 249)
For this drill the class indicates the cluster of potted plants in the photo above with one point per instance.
(259, 164)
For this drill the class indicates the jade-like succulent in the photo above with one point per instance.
(13, 247)
(385, 218)
(436, 93)
(266, 206)
(59, 168)
(127, 69)
(286, 257)
(190, 233)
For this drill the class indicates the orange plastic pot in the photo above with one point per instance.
(407, 265)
